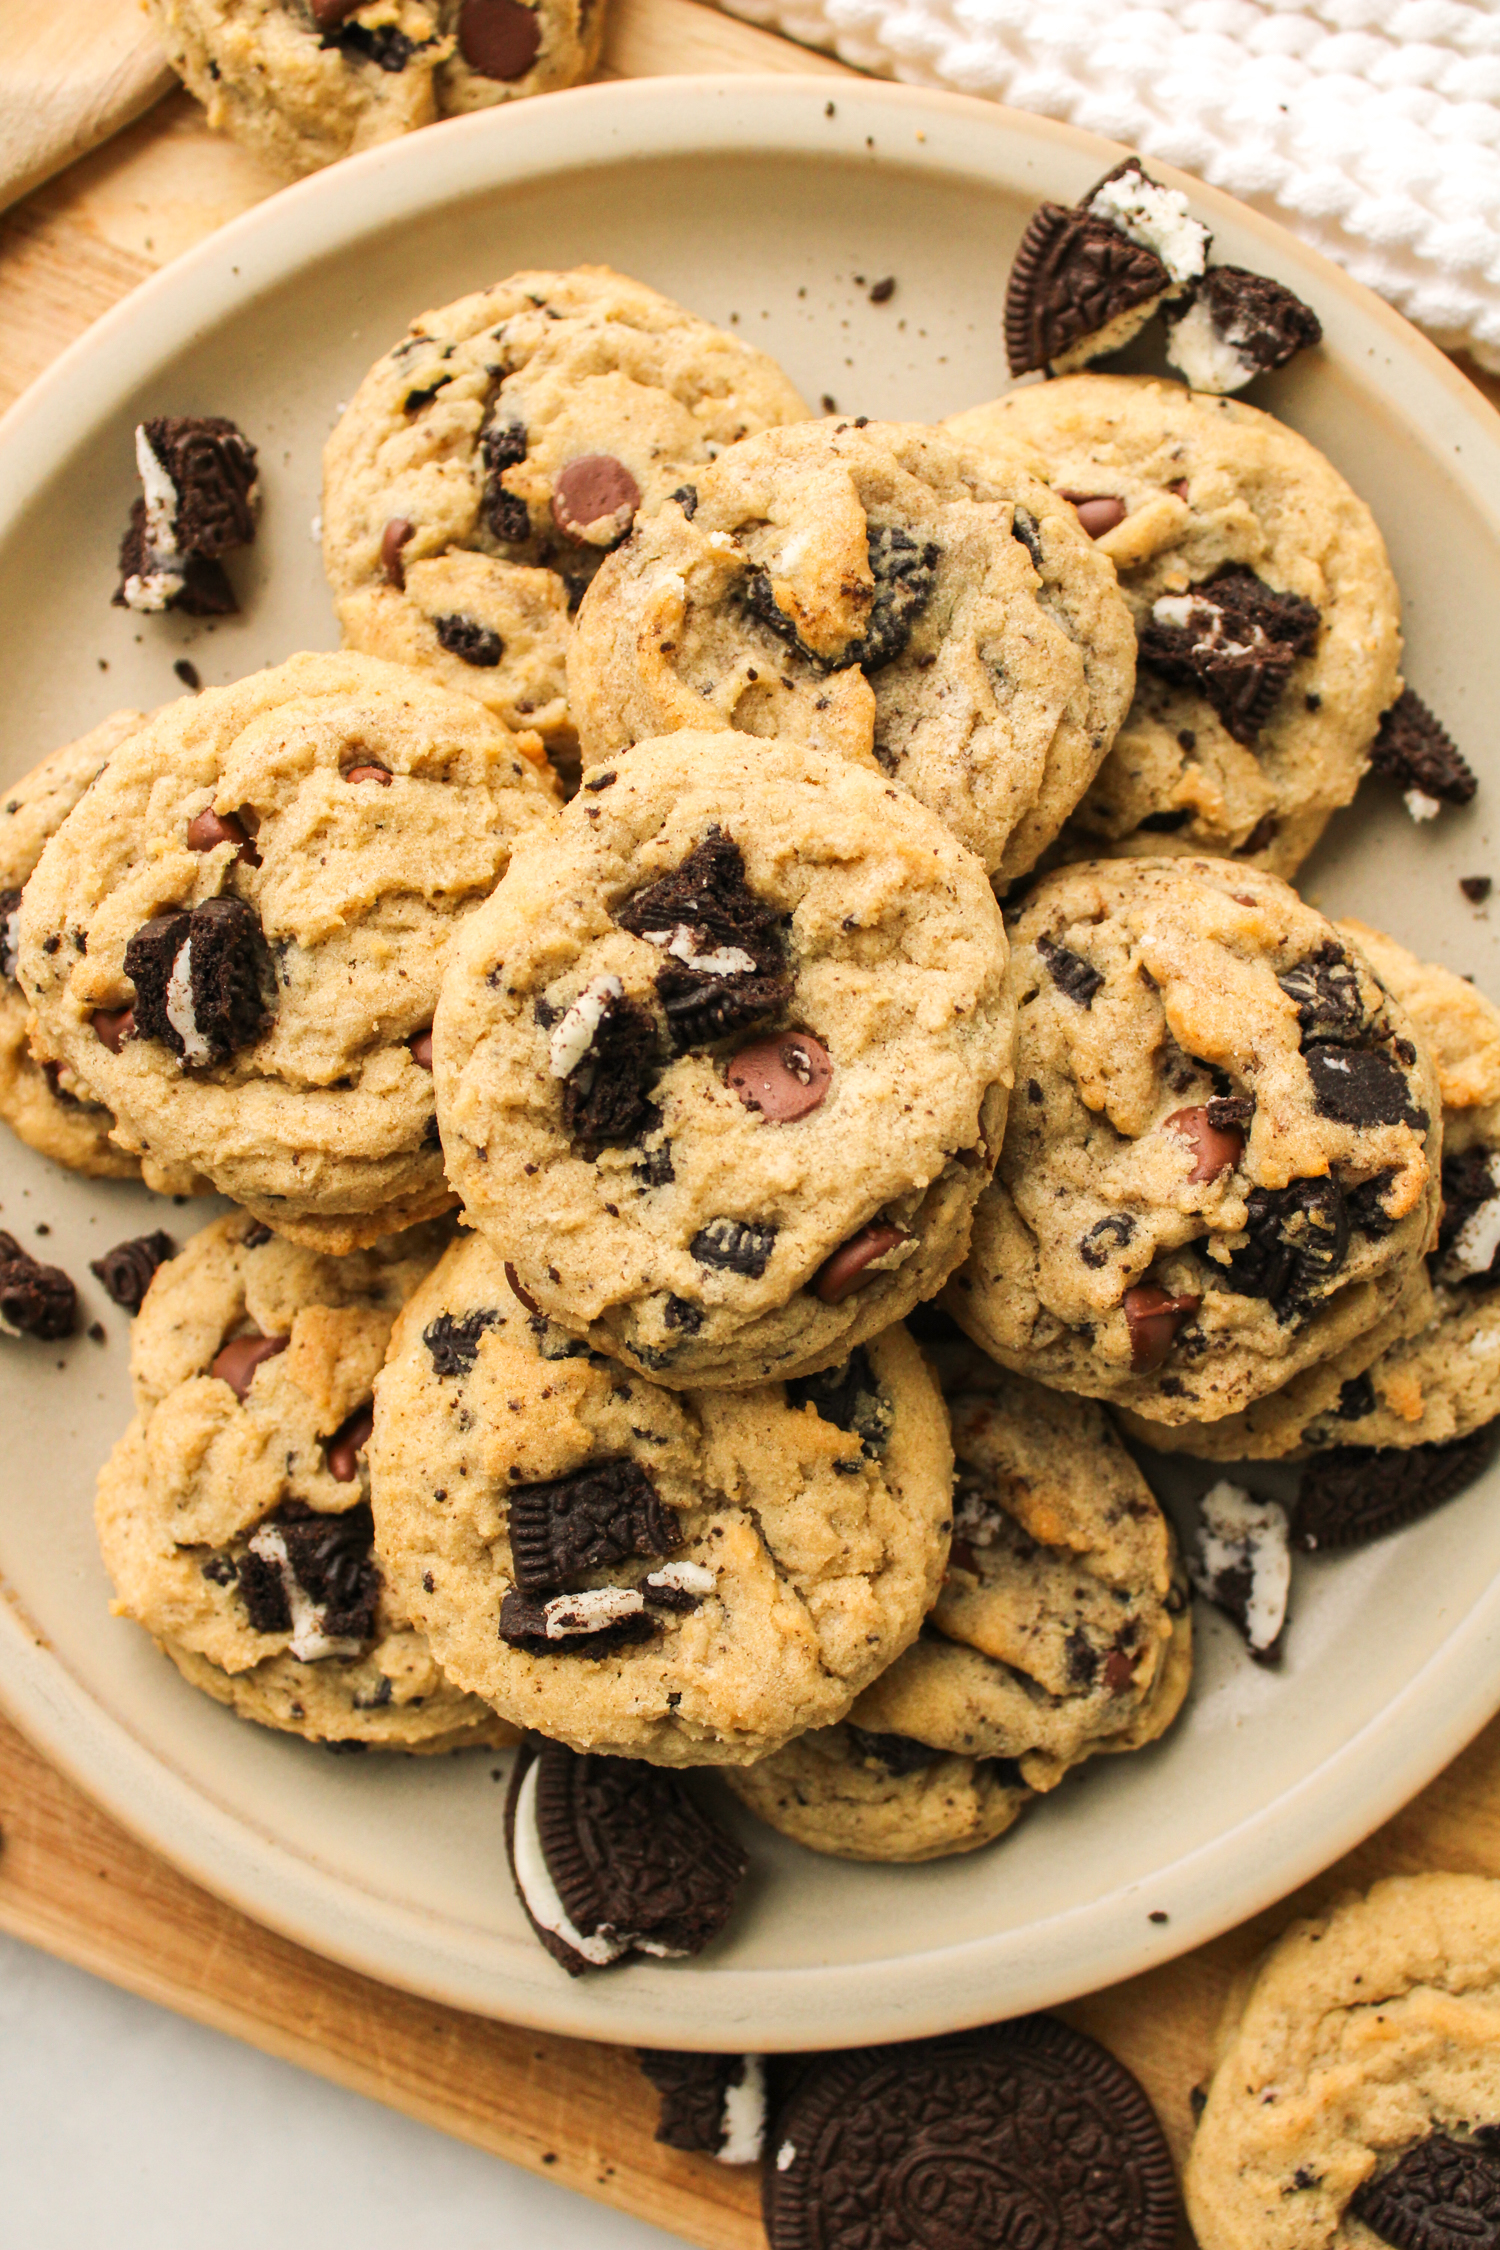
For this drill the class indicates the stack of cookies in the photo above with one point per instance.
(750, 882)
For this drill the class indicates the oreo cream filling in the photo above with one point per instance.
(309, 1642)
(681, 1578)
(1473, 1248)
(195, 1048)
(728, 961)
(1157, 218)
(744, 2123)
(590, 1611)
(1208, 358)
(163, 579)
(543, 1902)
(573, 1036)
(1241, 1561)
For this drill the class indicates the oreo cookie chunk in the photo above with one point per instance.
(1086, 280)
(1442, 2193)
(1240, 1561)
(724, 950)
(127, 1271)
(35, 1300)
(198, 505)
(204, 984)
(613, 1858)
(1025, 2132)
(1352, 1494)
(711, 2105)
(1234, 641)
(1415, 750)
(1234, 325)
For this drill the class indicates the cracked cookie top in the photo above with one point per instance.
(1268, 617)
(687, 1577)
(1221, 1161)
(872, 590)
(236, 937)
(721, 1066)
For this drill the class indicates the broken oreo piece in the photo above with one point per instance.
(604, 1048)
(467, 639)
(315, 1576)
(612, 1857)
(454, 1344)
(905, 574)
(850, 1398)
(1324, 989)
(1296, 1239)
(1240, 1560)
(198, 474)
(1086, 280)
(35, 1300)
(126, 1271)
(1027, 2132)
(1440, 2194)
(736, 1245)
(1234, 326)
(1415, 750)
(203, 981)
(1362, 1086)
(724, 965)
(711, 2105)
(592, 1622)
(1233, 640)
(1070, 972)
(603, 1513)
(1356, 1493)
(895, 1754)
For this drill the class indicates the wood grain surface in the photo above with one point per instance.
(70, 1880)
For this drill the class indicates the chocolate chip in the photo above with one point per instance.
(905, 574)
(1153, 1317)
(603, 1513)
(1440, 2194)
(1234, 640)
(1415, 750)
(1361, 1086)
(35, 1300)
(850, 1398)
(207, 829)
(633, 1859)
(126, 1271)
(1356, 1399)
(326, 13)
(595, 497)
(1324, 989)
(343, 1449)
(188, 673)
(1105, 1237)
(897, 1754)
(844, 1271)
(1258, 318)
(1476, 888)
(723, 949)
(737, 1245)
(694, 2092)
(453, 1343)
(420, 1046)
(1027, 2132)
(381, 44)
(398, 530)
(1355, 1493)
(1296, 1239)
(784, 1078)
(466, 638)
(882, 291)
(236, 1362)
(499, 39)
(220, 1005)
(1260, 838)
(381, 775)
(1098, 512)
(1073, 276)
(605, 1096)
(1216, 1148)
(1070, 972)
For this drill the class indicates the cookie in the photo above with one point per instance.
(1355, 2096)
(488, 462)
(1086, 280)
(51, 1109)
(689, 1578)
(1025, 2132)
(233, 1516)
(874, 591)
(1220, 1165)
(304, 82)
(721, 1064)
(1429, 1373)
(236, 937)
(613, 1858)
(711, 2105)
(1268, 618)
(856, 1795)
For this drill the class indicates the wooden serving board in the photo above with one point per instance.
(70, 1880)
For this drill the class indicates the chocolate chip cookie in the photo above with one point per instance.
(49, 1106)
(233, 1514)
(722, 1064)
(1061, 1630)
(1429, 1373)
(1267, 615)
(689, 1578)
(1355, 2097)
(1221, 1162)
(304, 82)
(490, 460)
(236, 937)
(873, 590)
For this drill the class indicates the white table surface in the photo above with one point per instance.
(123, 2125)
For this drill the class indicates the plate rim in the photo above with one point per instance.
(1359, 1785)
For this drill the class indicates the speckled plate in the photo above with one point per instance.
(760, 203)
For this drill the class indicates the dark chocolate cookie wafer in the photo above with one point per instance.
(1024, 2133)
(612, 1857)
(712, 2105)
(1356, 1493)
(1441, 2194)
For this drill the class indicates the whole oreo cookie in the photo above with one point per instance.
(1023, 2133)
(1356, 1493)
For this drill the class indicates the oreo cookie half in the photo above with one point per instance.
(1355, 1493)
(612, 1857)
(1027, 2132)
(712, 2105)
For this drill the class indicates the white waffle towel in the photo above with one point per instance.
(1371, 128)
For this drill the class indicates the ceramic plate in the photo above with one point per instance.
(760, 203)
